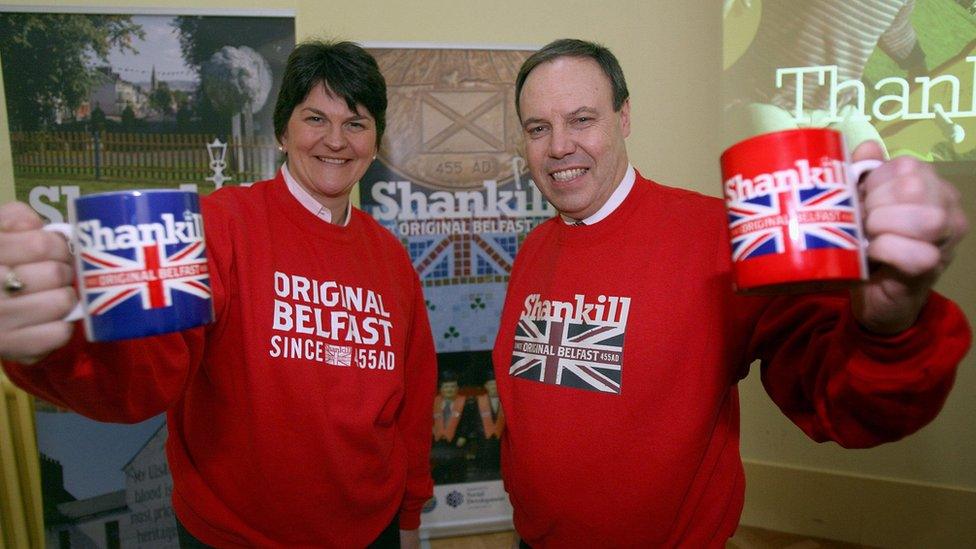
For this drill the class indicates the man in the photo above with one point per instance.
(452, 428)
(627, 329)
(489, 429)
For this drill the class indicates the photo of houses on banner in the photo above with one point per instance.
(104, 485)
(100, 102)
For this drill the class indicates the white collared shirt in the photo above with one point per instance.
(615, 200)
(305, 199)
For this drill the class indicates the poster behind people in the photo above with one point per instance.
(902, 71)
(449, 182)
(111, 101)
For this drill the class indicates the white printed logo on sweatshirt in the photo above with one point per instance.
(331, 323)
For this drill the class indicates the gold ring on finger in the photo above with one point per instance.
(12, 283)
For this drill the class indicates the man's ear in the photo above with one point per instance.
(625, 118)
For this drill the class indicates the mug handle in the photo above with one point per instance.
(859, 168)
(67, 231)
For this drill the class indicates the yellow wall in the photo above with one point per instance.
(671, 54)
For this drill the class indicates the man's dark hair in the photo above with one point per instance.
(448, 376)
(345, 68)
(571, 47)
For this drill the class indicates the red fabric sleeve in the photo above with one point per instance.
(121, 382)
(838, 382)
(420, 375)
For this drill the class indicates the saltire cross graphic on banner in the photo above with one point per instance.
(760, 225)
(451, 119)
(153, 275)
(569, 353)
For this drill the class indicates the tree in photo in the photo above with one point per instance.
(203, 37)
(128, 119)
(162, 99)
(47, 59)
(237, 81)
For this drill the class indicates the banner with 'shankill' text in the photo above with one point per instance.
(450, 184)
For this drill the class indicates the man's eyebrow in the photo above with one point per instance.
(581, 110)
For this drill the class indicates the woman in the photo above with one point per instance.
(272, 441)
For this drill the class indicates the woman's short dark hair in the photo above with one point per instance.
(345, 68)
(571, 47)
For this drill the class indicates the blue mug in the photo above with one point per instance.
(140, 263)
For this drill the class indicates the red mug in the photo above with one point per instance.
(793, 211)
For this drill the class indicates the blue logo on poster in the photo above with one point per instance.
(430, 505)
(454, 498)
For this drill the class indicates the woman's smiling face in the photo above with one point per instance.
(329, 146)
